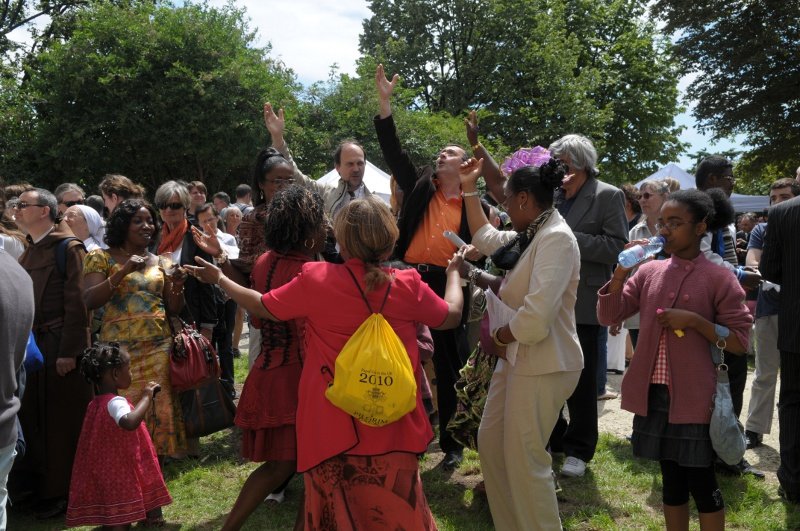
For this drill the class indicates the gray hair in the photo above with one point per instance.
(46, 198)
(579, 150)
(658, 186)
(170, 188)
(63, 188)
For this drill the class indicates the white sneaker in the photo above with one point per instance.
(276, 497)
(573, 468)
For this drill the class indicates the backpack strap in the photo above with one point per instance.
(363, 295)
(61, 255)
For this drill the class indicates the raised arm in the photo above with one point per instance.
(495, 181)
(396, 158)
(276, 125)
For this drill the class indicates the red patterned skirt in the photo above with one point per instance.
(351, 493)
(266, 413)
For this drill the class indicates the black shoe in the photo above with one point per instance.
(50, 509)
(787, 498)
(236, 353)
(747, 468)
(753, 439)
(452, 460)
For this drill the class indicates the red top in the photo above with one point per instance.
(326, 296)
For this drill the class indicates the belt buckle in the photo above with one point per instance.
(423, 268)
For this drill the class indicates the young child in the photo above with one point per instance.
(686, 303)
(116, 479)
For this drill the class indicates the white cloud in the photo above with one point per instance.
(309, 35)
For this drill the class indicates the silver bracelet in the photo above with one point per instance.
(470, 194)
(473, 275)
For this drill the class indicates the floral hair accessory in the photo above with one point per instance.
(536, 156)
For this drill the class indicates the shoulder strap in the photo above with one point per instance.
(61, 255)
(363, 295)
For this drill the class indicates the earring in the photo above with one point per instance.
(520, 207)
(307, 245)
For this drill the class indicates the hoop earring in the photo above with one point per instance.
(520, 207)
(307, 245)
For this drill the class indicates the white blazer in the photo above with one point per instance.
(543, 288)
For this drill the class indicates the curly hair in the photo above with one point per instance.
(120, 220)
(539, 181)
(99, 358)
(294, 216)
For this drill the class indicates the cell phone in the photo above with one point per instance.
(453, 237)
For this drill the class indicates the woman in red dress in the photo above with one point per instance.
(356, 476)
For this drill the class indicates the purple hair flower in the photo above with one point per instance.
(536, 156)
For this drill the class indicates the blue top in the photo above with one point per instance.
(768, 301)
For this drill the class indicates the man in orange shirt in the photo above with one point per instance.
(432, 204)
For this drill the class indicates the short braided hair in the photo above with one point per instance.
(99, 358)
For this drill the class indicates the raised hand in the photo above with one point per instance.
(384, 86)
(134, 263)
(276, 123)
(471, 121)
(205, 272)
(469, 173)
(208, 243)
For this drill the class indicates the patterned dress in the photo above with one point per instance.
(116, 478)
(135, 317)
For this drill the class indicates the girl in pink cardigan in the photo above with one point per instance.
(686, 303)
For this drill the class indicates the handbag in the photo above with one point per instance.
(727, 434)
(207, 409)
(193, 360)
(373, 381)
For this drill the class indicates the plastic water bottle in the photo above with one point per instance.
(633, 255)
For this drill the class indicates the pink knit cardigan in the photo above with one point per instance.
(696, 285)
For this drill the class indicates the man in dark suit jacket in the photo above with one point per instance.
(779, 264)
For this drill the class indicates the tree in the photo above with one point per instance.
(539, 69)
(153, 92)
(745, 57)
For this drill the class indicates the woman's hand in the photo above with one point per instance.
(621, 271)
(471, 122)
(178, 278)
(276, 124)
(457, 263)
(206, 272)
(208, 243)
(469, 173)
(676, 319)
(134, 263)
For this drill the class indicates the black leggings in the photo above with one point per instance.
(679, 481)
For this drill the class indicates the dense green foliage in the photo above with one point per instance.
(538, 69)
(746, 59)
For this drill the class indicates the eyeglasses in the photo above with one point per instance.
(280, 182)
(671, 225)
(22, 205)
(646, 195)
(72, 203)
(171, 206)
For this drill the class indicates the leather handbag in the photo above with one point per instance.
(193, 360)
(727, 434)
(207, 409)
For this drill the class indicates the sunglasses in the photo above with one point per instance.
(72, 203)
(171, 206)
(22, 205)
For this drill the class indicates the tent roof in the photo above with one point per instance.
(741, 203)
(376, 180)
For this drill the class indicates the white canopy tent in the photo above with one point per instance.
(741, 203)
(376, 180)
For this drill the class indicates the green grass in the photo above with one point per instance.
(617, 492)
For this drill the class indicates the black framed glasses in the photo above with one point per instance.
(171, 206)
(72, 203)
(22, 205)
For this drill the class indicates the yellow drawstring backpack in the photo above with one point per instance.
(374, 381)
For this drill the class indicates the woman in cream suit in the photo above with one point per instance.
(542, 356)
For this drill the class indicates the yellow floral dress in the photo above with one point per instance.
(135, 317)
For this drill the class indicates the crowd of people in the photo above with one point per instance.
(533, 287)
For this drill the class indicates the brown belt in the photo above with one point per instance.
(50, 325)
